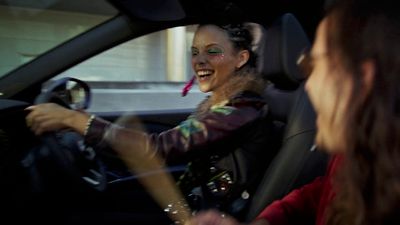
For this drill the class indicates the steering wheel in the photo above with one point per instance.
(78, 161)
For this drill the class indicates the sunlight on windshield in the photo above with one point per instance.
(28, 29)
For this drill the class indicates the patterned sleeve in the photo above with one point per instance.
(193, 134)
(219, 123)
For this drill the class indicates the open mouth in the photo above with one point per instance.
(204, 74)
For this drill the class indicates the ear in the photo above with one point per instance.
(243, 57)
(368, 70)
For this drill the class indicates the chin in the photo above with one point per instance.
(322, 143)
(204, 89)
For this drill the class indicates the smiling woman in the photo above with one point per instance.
(45, 40)
(216, 58)
(226, 140)
(354, 88)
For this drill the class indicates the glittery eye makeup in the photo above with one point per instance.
(214, 51)
(209, 51)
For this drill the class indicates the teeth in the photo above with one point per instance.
(203, 72)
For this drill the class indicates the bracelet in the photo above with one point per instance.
(89, 122)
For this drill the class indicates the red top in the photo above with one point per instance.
(306, 204)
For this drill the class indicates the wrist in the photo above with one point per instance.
(77, 121)
(88, 124)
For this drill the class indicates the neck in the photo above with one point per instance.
(234, 86)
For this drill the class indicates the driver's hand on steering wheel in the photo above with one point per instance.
(52, 117)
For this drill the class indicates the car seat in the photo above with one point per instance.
(296, 162)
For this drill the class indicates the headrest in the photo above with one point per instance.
(284, 41)
(258, 33)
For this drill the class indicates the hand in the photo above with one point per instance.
(52, 117)
(212, 217)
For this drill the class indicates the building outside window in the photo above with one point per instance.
(142, 74)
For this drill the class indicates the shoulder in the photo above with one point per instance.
(247, 99)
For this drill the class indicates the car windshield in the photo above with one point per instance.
(29, 28)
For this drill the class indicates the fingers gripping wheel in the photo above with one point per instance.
(67, 148)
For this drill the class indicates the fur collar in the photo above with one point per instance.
(233, 87)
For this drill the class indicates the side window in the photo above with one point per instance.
(30, 28)
(146, 73)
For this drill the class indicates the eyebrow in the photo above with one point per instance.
(210, 45)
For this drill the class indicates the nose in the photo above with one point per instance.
(199, 59)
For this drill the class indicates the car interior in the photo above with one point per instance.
(296, 162)
(36, 181)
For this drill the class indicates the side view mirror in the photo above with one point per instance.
(70, 92)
